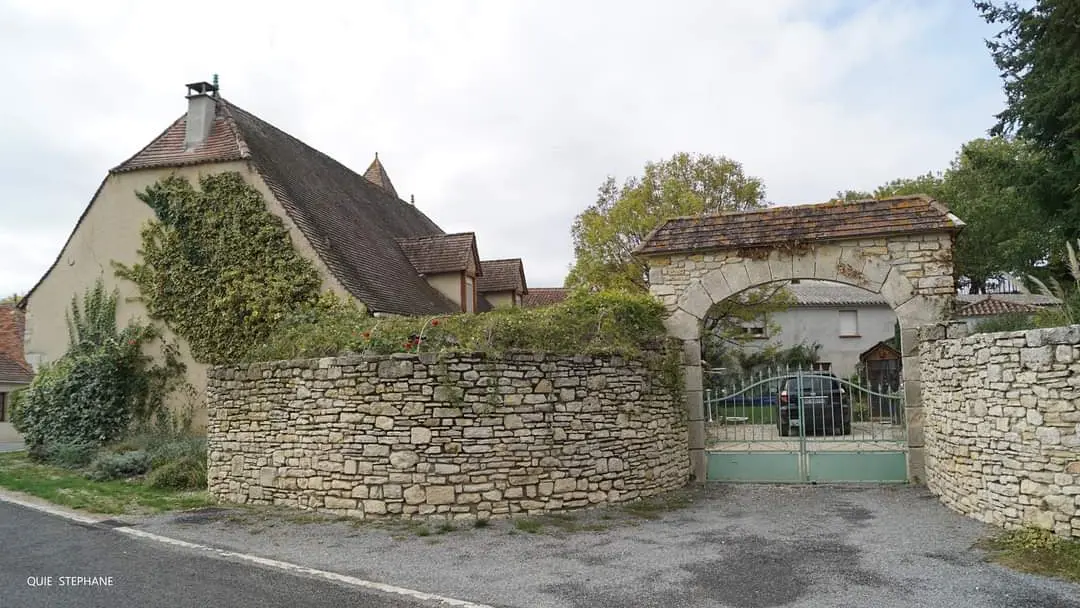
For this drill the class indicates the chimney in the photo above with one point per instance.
(202, 105)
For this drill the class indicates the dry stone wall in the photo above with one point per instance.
(463, 436)
(1003, 426)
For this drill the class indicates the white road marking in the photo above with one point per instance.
(262, 561)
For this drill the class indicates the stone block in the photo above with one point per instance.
(716, 285)
(736, 275)
(695, 299)
(781, 265)
(683, 325)
(419, 435)
(826, 262)
(758, 272)
(898, 290)
(440, 495)
(802, 266)
(395, 368)
(334, 502)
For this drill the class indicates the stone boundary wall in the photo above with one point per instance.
(1003, 426)
(461, 436)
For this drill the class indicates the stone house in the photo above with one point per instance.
(847, 321)
(365, 241)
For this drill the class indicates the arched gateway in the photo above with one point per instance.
(900, 248)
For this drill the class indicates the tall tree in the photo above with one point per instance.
(928, 184)
(1006, 230)
(606, 234)
(1038, 53)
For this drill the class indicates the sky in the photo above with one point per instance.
(500, 117)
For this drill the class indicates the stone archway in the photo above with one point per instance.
(900, 248)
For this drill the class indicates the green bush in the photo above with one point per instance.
(1006, 322)
(101, 385)
(109, 465)
(65, 454)
(586, 323)
(179, 449)
(188, 473)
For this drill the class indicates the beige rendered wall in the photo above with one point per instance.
(500, 298)
(448, 284)
(111, 231)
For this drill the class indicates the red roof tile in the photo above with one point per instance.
(799, 224)
(167, 150)
(544, 296)
(502, 275)
(13, 366)
(992, 306)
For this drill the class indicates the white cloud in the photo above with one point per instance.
(501, 117)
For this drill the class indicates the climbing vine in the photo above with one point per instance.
(218, 267)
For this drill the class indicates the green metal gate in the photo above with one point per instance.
(805, 426)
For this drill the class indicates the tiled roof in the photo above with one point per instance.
(13, 366)
(376, 174)
(167, 150)
(1031, 299)
(991, 305)
(799, 224)
(439, 253)
(544, 296)
(351, 223)
(824, 293)
(502, 275)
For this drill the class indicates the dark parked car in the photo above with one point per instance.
(815, 401)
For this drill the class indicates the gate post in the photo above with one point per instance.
(693, 390)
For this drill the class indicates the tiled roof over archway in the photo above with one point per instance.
(774, 226)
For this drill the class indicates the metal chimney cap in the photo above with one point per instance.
(201, 88)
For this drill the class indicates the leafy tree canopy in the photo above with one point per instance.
(606, 234)
(1006, 229)
(1038, 52)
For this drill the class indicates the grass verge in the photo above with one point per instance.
(1036, 552)
(72, 489)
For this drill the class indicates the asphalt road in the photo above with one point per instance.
(735, 546)
(37, 550)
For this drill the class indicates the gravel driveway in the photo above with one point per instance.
(737, 546)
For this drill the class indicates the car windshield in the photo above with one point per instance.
(815, 385)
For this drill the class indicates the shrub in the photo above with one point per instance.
(188, 473)
(586, 323)
(1006, 322)
(176, 450)
(109, 465)
(65, 454)
(104, 381)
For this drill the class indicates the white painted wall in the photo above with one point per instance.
(804, 324)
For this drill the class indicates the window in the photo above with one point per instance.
(755, 331)
(849, 323)
(470, 294)
(3, 408)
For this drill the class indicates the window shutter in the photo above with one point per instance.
(849, 323)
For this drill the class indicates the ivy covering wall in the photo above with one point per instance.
(221, 271)
(218, 267)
